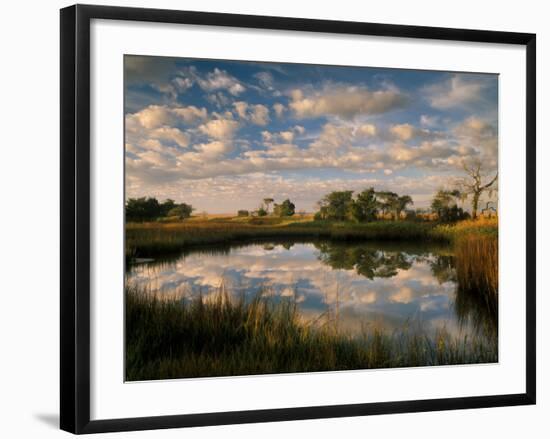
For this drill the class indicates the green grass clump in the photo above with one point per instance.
(221, 336)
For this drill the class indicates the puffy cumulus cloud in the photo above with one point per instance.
(403, 131)
(341, 146)
(182, 84)
(219, 99)
(345, 102)
(218, 79)
(406, 132)
(478, 134)
(367, 130)
(241, 109)
(155, 116)
(259, 115)
(457, 91)
(256, 114)
(279, 109)
(426, 154)
(171, 135)
(215, 149)
(220, 129)
(337, 136)
(282, 136)
(475, 128)
(333, 136)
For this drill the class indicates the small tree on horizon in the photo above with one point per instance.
(286, 208)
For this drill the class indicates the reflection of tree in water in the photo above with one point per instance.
(443, 268)
(472, 306)
(368, 262)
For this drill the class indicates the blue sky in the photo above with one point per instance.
(223, 135)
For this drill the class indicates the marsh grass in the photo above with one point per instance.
(154, 239)
(476, 264)
(219, 335)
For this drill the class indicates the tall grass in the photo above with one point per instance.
(220, 336)
(476, 264)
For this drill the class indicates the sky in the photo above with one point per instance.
(224, 135)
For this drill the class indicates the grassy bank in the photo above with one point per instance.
(156, 239)
(222, 336)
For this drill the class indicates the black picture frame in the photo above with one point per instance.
(75, 217)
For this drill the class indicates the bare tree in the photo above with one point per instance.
(473, 184)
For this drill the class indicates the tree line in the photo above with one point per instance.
(149, 209)
(366, 206)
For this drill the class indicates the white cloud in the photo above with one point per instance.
(406, 132)
(219, 80)
(455, 92)
(183, 84)
(240, 108)
(259, 115)
(155, 116)
(279, 109)
(256, 114)
(479, 134)
(219, 128)
(287, 136)
(366, 130)
(219, 99)
(170, 134)
(345, 102)
(215, 149)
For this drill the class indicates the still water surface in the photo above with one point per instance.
(360, 285)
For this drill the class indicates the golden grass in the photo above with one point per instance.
(476, 259)
(220, 337)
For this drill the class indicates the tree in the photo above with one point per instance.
(336, 205)
(142, 209)
(386, 199)
(444, 204)
(286, 208)
(401, 204)
(149, 209)
(267, 202)
(261, 211)
(364, 207)
(393, 203)
(166, 207)
(182, 211)
(242, 213)
(473, 184)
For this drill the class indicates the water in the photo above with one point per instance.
(357, 285)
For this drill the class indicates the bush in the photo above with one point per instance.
(243, 213)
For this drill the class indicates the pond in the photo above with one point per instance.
(352, 285)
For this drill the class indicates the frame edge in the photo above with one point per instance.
(75, 220)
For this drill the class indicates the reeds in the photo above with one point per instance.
(219, 335)
(476, 259)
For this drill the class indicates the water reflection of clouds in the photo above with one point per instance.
(412, 293)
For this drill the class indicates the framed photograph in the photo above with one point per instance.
(268, 219)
